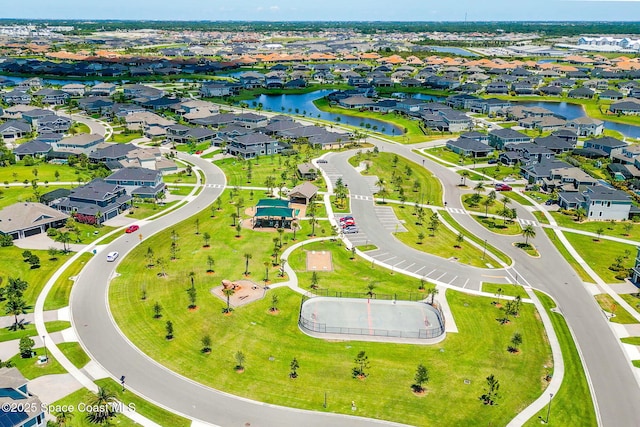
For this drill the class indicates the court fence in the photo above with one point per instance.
(430, 332)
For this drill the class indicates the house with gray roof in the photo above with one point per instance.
(14, 129)
(252, 145)
(469, 147)
(103, 89)
(16, 97)
(52, 96)
(180, 134)
(138, 182)
(628, 106)
(607, 144)
(24, 407)
(95, 202)
(84, 143)
(26, 219)
(33, 148)
(586, 126)
(499, 138)
(605, 204)
(556, 144)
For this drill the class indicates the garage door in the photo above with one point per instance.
(32, 232)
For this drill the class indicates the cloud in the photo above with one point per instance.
(274, 8)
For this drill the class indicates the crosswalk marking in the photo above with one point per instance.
(358, 197)
(214, 185)
(456, 211)
(528, 222)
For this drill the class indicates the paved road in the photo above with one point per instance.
(104, 343)
(615, 387)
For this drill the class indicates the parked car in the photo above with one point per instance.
(503, 187)
(509, 179)
(321, 161)
(132, 228)
(351, 229)
(492, 161)
(550, 202)
(199, 152)
(111, 256)
(347, 221)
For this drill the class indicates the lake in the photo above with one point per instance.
(453, 50)
(303, 104)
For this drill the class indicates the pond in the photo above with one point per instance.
(303, 104)
(454, 50)
(573, 111)
(54, 82)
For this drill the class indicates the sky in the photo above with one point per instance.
(328, 10)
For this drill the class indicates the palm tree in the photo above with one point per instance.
(528, 232)
(433, 292)
(479, 188)
(247, 257)
(64, 238)
(15, 307)
(580, 213)
(103, 400)
(505, 201)
(228, 292)
(98, 217)
(63, 417)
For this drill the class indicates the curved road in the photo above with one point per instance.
(106, 345)
(615, 388)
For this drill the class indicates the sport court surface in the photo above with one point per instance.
(319, 261)
(370, 319)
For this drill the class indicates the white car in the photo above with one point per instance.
(509, 179)
(111, 256)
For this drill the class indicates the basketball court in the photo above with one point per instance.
(371, 320)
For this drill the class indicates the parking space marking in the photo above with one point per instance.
(465, 283)
(440, 277)
(401, 262)
(453, 279)
(420, 269)
(408, 267)
(429, 273)
(389, 259)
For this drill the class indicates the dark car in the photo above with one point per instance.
(550, 202)
(492, 161)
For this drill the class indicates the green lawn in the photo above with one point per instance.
(451, 221)
(181, 177)
(601, 254)
(517, 197)
(445, 154)
(153, 412)
(145, 210)
(500, 172)
(74, 353)
(31, 369)
(572, 405)
(79, 418)
(609, 305)
(581, 272)
(506, 289)
(30, 330)
(633, 300)
(281, 168)
(24, 193)
(186, 148)
(609, 228)
(58, 297)
(343, 206)
(46, 172)
(79, 128)
(179, 191)
(443, 244)
(13, 266)
(631, 340)
(401, 177)
(123, 138)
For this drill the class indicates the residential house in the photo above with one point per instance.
(33, 148)
(26, 219)
(52, 96)
(252, 145)
(16, 97)
(74, 89)
(103, 89)
(586, 126)
(357, 101)
(604, 204)
(96, 105)
(555, 144)
(53, 124)
(180, 134)
(138, 181)
(218, 89)
(550, 90)
(581, 92)
(544, 124)
(14, 129)
(497, 88)
(607, 144)
(456, 121)
(24, 409)
(410, 105)
(461, 101)
(489, 106)
(469, 147)
(611, 95)
(95, 202)
(499, 138)
(142, 91)
(251, 120)
(628, 106)
(80, 144)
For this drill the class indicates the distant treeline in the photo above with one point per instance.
(549, 29)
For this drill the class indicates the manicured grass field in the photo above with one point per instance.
(74, 353)
(144, 210)
(402, 174)
(343, 207)
(601, 254)
(517, 197)
(13, 266)
(447, 155)
(31, 369)
(581, 272)
(540, 217)
(633, 300)
(572, 405)
(181, 177)
(442, 244)
(497, 225)
(631, 340)
(30, 330)
(615, 229)
(46, 172)
(153, 412)
(501, 255)
(609, 305)
(79, 418)
(499, 172)
(58, 297)
(506, 289)
(23, 193)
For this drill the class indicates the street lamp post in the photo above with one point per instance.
(44, 344)
(549, 408)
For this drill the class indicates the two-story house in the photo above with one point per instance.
(14, 393)
(138, 182)
(95, 202)
(180, 134)
(254, 144)
(499, 138)
(586, 126)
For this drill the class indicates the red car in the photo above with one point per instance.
(199, 152)
(132, 228)
(503, 187)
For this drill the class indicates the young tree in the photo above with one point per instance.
(491, 391)
(247, 257)
(207, 238)
(228, 292)
(169, 329)
(157, 310)
(26, 347)
(314, 280)
(197, 224)
(206, 344)
(210, 263)
(294, 365)
(63, 417)
(239, 361)
(516, 340)
(459, 240)
(193, 294)
(362, 364)
(274, 303)
(370, 287)
(103, 400)
(238, 229)
(149, 257)
(420, 237)
(421, 378)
